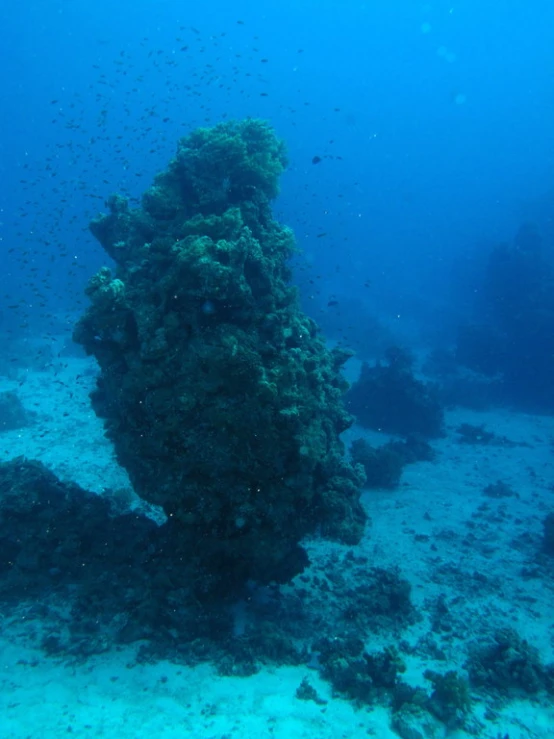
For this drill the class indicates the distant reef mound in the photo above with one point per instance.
(218, 393)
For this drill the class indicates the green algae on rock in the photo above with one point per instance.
(219, 395)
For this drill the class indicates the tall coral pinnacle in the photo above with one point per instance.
(220, 397)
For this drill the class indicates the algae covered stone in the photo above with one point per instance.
(218, 393)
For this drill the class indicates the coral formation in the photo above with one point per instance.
(219, 395)
(354, 672)
(388, 397)
(307, 692)
(450, 700)
(509, 665)
(117, 574)
(383, 465)
(513, 340)
(366, 677)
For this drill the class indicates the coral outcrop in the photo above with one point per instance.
(219, 395)
(512, 343)
(387, 396)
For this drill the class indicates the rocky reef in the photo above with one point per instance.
(218, 393)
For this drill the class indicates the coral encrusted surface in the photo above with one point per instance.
(218, 393)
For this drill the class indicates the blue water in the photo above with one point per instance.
(420, 144)
(434, 124)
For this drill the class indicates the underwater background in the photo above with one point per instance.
(203, 530)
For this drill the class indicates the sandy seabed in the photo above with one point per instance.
(438, 527)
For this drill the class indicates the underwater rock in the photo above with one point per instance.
(499, 489)
(219, 396)
(12, 413)
(479, 435)
(548, 533)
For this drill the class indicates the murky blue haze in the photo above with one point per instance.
(433, 122)
(420, 189)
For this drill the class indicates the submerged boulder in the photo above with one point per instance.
(220, 397)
